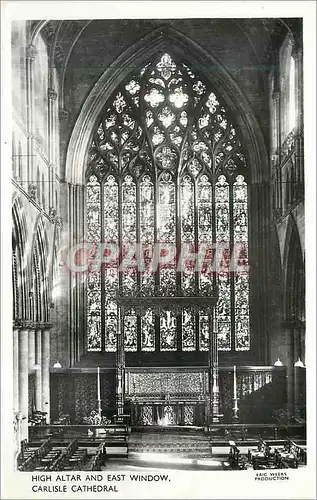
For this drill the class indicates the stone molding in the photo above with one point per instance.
(22, 324)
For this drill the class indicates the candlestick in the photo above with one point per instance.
(98, 384)
(215, 325)
(234, 382)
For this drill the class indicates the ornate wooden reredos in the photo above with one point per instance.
(175, 304)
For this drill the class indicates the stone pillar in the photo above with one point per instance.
(46, 371)
(23, 381)
(297, 54)
(38, 371)
(300, 392)
(31, 350)
(71, 278)
(15, 369)
(277, 151)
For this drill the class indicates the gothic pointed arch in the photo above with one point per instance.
(166, 39)
(20, 282)
(39, 267)
(167, 165)
(293, 275)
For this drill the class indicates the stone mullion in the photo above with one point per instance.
(120, 355)
(178, 253)
(156, 186)
(103, 291)
(232, 275)
(139, 250)
(197, 250)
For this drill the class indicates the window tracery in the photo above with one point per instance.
(166, 165)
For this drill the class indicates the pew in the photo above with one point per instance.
(235, 460)
(280, 456)
(74, 456)
(262, 457)
(34, 461)
(96, 461)
(300, 450)
(292, 454)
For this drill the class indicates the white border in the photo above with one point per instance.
(185, 484)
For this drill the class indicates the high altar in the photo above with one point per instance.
(168, 395)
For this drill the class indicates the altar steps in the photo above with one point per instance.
(196, 445)
(161, 462)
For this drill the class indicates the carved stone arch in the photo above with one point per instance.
(40, 280)
(20, 281)
(171, 40)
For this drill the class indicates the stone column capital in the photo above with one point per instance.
(22, 324)
(51, 94)
(297, 50)
(30, 52)
(63, 114)
(43, 325)
(276, 95)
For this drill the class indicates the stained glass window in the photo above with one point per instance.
(146, 217)
(188, 331)
(167, 233)
(187, 235)
(222, 207)
(148, 331)
(168, 334)
(166, 167)
(111, 274)
(130, 331)
(241, 278)
(93, 276)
